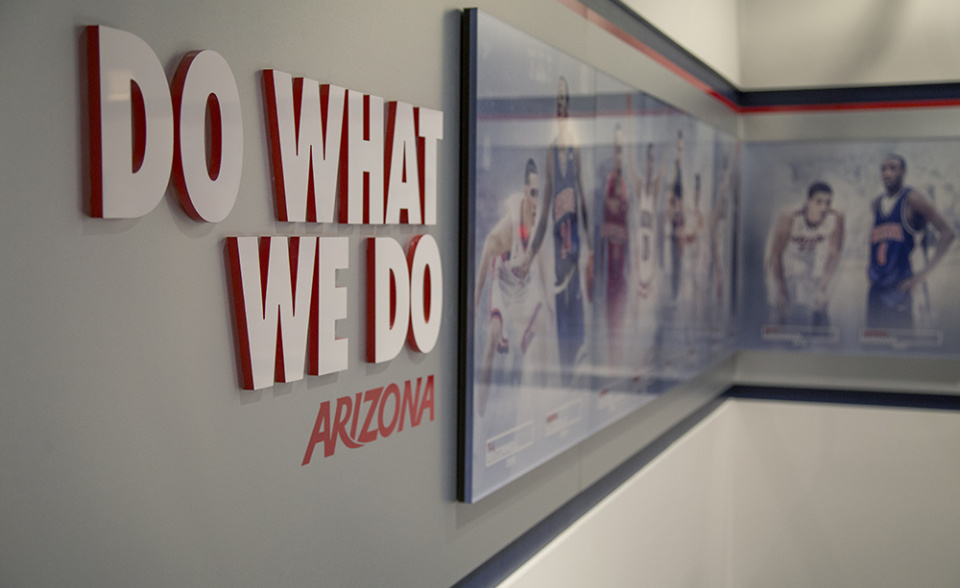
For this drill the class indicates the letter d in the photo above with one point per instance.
(131, 125)
(388, 299)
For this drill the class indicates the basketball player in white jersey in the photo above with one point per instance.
(519, 308)
(804, 253)
(696, 235)
(716, 240)
(643, 260)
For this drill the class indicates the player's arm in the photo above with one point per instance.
(675, 202)
(578, 186)
(611, 203)
(781, 236)
(830, 264)
(546, 203)
(611, 207)
(920, 204)
(630, 165)
(545, 287)
(691, 236)
(498, 242)
(658, 179)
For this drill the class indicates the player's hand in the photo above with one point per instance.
(910, 283)
(590, 277)
(923, 309)
(521, 269)
(781, 301)
(820, 300)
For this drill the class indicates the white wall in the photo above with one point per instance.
(818, 43)
(708, 29)
(776, 44)
(833, 495)
(767, 493)
(668, 525)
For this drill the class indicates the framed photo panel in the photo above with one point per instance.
(848, 247)
(597, 251)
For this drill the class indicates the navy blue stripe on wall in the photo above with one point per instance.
(946, 91)
(857, 397)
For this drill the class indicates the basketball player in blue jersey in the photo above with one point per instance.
(804, 254)
(900, 213)
(566, 215)
(675, 213)
(645, 243)
(716, 234)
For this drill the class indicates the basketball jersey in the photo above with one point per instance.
(677, 219)
(516, 300)
(616, 248)
(566, 254)
(566, 231)
(891, 243)
(693, 247)
(643, 295)
(804, 255)
(646, 261)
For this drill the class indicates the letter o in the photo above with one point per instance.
(207, 187)
(426, 293)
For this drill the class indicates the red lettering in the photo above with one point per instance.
(356, 415)
(321, 432)
(392, 390)
(427, 401)
(411, 403)
(373, 397)
(339, 426)
(887, 232)
(329, 431)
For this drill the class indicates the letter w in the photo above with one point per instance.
(306, 122)
(272, 285)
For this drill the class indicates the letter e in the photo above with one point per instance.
(328, 354)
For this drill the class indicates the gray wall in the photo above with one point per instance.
(772, 493)
(130, 456)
